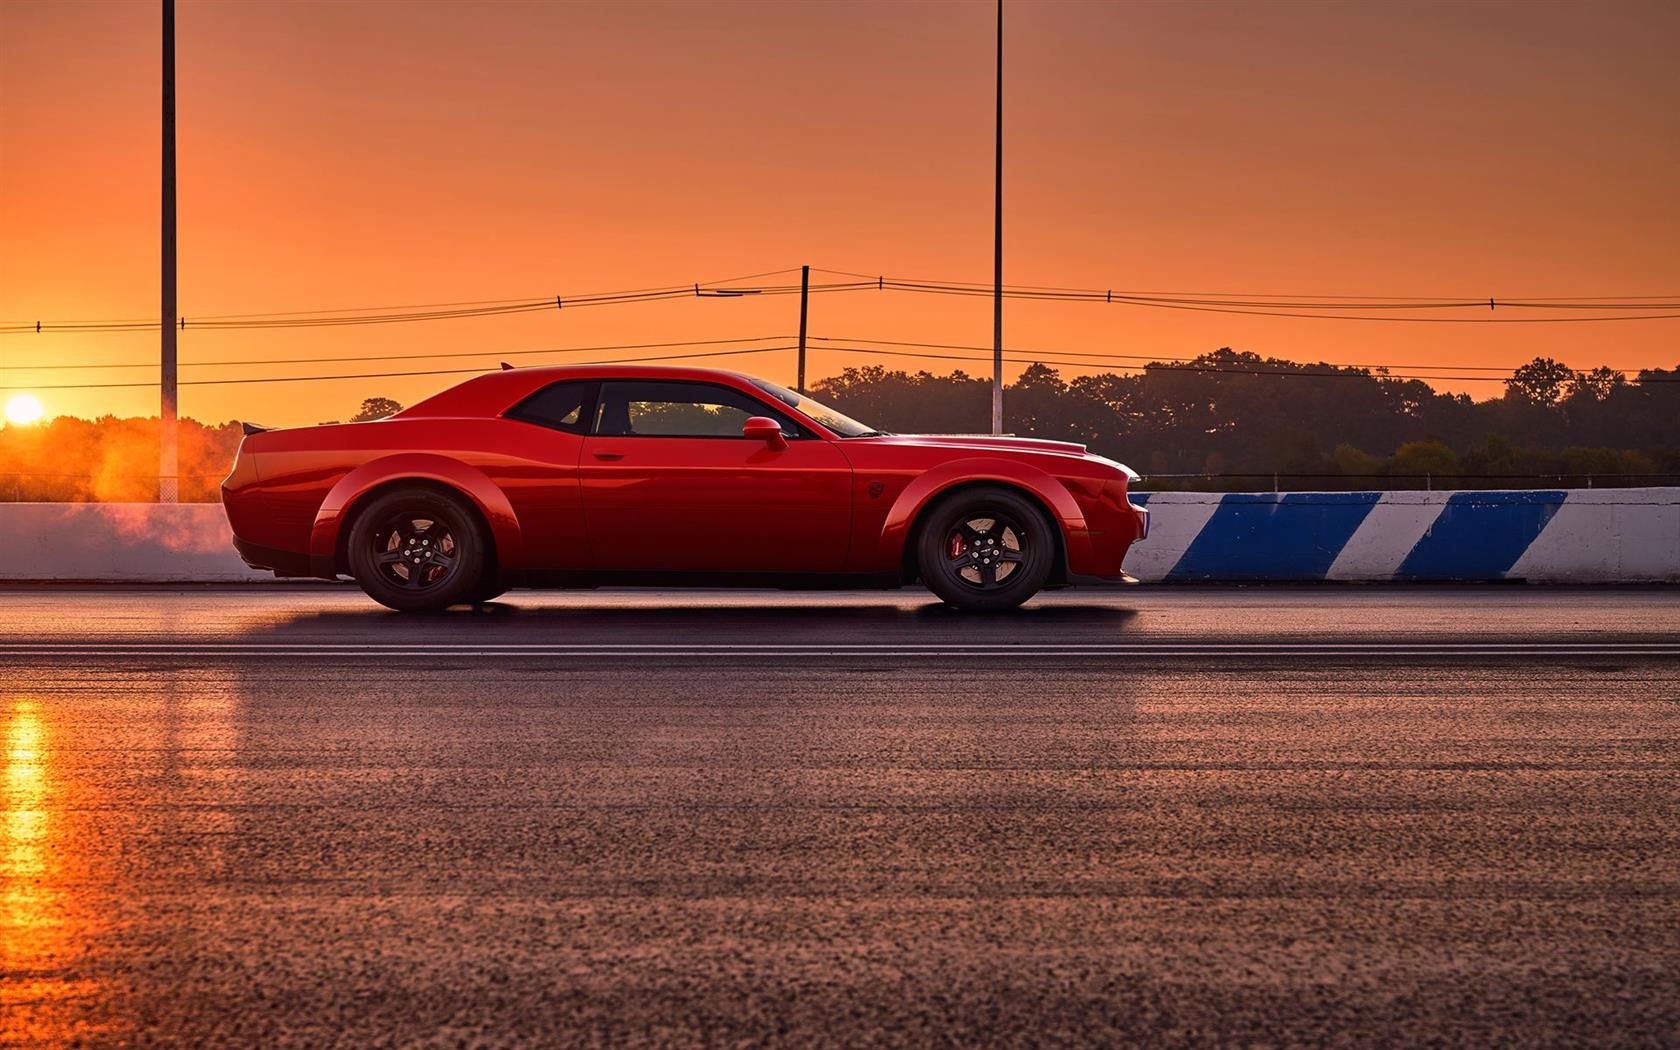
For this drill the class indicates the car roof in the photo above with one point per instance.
(495, 392)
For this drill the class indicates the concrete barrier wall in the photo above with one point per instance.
(1574, 536)
(121, 542)
(1543, 536)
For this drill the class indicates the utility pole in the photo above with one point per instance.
(168, 483)
(997, 255)
(804, 312)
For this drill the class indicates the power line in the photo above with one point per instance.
(1215, 369)
(388, 375)
(1618, 308)
(1305, 310)
(558, 303)
(1156, 359)
(1095, 356)
(1350, 372)
(1479, 300)
(410, 357)
(408, 306)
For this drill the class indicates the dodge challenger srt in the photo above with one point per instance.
(590, 475)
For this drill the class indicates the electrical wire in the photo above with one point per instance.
(410, 357)
(1215, 369)
(412, 306)
(388, 375)
(1207, 306)
(1036, 357)
(1101, 356)
(1620, 308)
(556, 303)
(985, 287)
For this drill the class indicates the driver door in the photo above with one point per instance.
(669, 484)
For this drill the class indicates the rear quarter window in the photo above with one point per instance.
(566, 406)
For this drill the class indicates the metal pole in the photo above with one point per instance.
(997, 255)
(168, 488)
(804, 312)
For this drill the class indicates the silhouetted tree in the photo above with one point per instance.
(1596, 383)
(922, 403)
(1227, 412)
(1540, 382)
(1239, 413)
(1423, 457)
(376, 408)
(1356, 462)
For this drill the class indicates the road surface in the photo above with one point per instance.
(1158, 816)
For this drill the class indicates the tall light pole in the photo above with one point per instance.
(168, 483)
(997, 255)
(804, 314)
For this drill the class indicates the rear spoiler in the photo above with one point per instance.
(253, 428)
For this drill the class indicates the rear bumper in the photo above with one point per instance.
(283, 563)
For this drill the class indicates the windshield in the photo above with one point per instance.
(841, 424)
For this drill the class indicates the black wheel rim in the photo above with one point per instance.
(415, 551)
(986, 550)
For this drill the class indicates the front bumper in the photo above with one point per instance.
(1112, 524)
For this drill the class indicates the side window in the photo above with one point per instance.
(561, 406)
(647, 408)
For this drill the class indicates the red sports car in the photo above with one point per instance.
(580, 476)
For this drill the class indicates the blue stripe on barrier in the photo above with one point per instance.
(1480, 535)
(1274, 536)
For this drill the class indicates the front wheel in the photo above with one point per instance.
(416, 549)
(986, 548)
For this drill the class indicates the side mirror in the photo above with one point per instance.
(765, 429)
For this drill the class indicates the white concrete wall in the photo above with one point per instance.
(120, 542)
(1592, 536)
(1541, 536)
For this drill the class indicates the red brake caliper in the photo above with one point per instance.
(956, 545)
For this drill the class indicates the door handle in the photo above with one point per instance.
(609, 455)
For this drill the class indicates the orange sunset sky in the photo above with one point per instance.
(369, 154)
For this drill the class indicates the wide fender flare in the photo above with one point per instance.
(491, 502)
(929, 486)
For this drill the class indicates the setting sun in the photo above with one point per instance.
(23, 409)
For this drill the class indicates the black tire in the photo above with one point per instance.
(415, 549)
(986, 548)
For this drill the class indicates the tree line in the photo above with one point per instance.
(1227, 420)
(1235, 419)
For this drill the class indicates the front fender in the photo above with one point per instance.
(418, 466)
(895, 530)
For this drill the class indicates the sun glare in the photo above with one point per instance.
(24, 409)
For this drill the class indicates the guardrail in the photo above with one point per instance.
(1538, 535)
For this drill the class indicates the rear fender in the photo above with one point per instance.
(895, 531)
(418, 466)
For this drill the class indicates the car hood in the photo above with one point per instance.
(983, 443)
(1000, 444)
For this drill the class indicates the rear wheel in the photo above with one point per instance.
(416, 549)
(986, 548)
